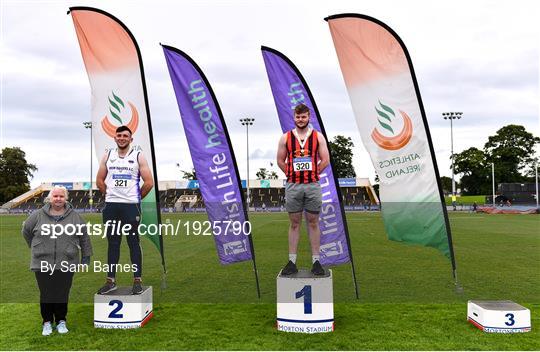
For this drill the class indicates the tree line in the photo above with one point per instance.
(511, 150)
(15, 173)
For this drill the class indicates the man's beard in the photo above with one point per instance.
(302, 128)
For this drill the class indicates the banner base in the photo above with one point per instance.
(122, 310)
(305, 302)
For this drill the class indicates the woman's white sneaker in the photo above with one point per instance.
(61, 327)
(47, 328)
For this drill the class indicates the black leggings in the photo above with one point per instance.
(123, 213)
(54, 294)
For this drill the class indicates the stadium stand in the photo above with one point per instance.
(177, 197)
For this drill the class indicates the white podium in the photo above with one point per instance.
(499, 316)
(120, 309)
(305, 302)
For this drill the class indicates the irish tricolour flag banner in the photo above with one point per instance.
(114, 66)
(386, 101)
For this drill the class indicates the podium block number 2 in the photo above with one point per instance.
(114, 313)
(306, 293)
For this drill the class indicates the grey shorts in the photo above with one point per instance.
(303, 196)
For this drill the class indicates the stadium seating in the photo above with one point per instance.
(261, 198)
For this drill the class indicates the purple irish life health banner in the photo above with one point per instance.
(290, 89)
(212, 156)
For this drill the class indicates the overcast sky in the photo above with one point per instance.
(478, 57)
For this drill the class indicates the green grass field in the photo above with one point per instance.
(407, 297)
(467, 200)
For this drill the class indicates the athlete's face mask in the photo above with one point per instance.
(301, 120)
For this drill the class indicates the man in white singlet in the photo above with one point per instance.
(118, 177)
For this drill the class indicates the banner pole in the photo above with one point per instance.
(254, 267)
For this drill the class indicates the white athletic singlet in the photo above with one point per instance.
(123, 178)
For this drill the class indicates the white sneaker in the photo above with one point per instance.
(61, 327)
(47, 328)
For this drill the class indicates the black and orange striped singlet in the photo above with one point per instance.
(302, 160)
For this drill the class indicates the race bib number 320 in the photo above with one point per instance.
(302, 164)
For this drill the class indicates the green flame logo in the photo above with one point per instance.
(385, 113)
(398, 139)
(115, 104)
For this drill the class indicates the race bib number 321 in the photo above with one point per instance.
(121, 181)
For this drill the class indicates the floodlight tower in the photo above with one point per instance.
(536, 161)
(248, 121)
(493, 182)
(452, 116)
(88, 124)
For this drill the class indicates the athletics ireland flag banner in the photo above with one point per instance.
(380, 79)
(212, 156)
(290, 89)
(114, 66)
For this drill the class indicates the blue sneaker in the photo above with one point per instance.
(109, 286)
(137, 287)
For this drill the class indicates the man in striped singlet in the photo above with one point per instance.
(302, 155)
(120, 171)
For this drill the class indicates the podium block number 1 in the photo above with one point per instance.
(114, 313)
(306, 293)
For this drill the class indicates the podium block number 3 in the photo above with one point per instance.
(114, 313)
(306, 293)
(511, 320)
